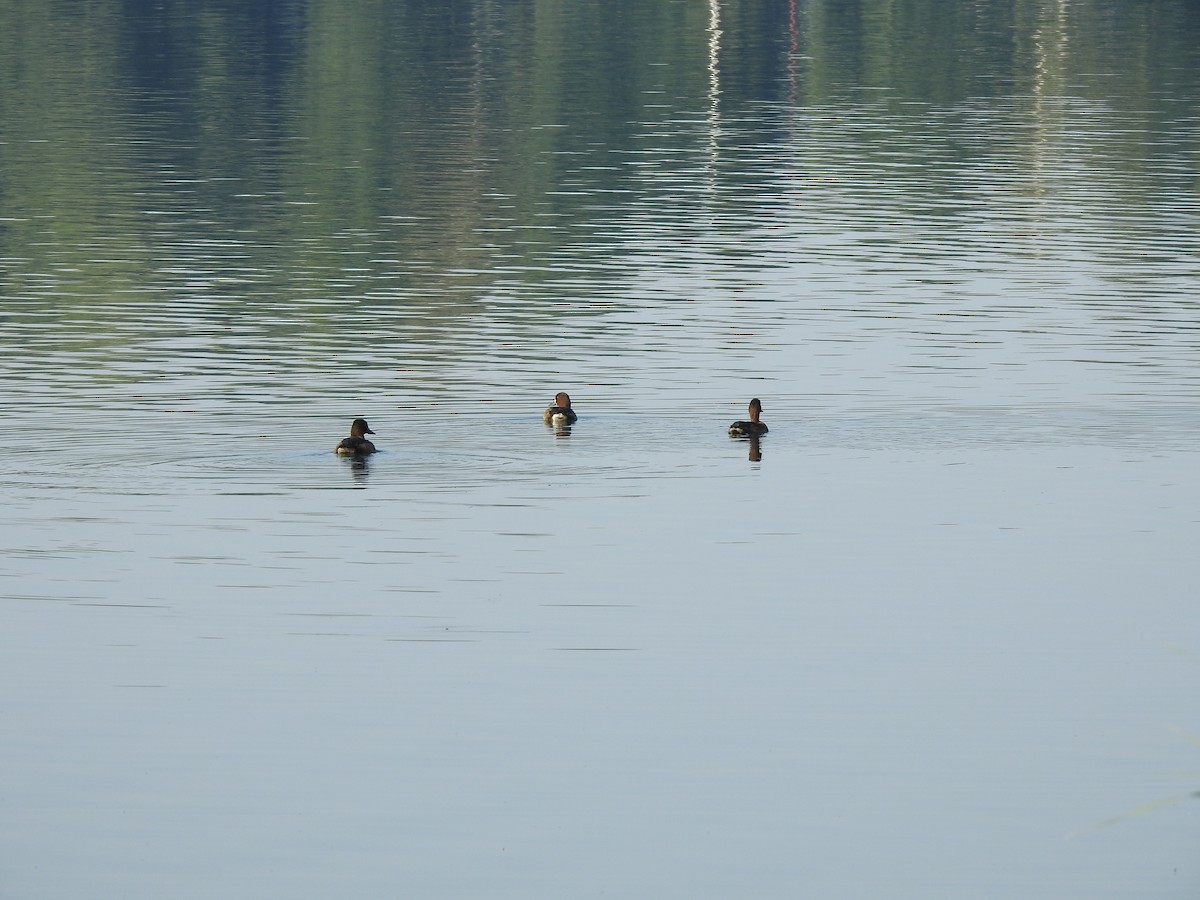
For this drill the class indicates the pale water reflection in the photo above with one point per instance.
(932, 636)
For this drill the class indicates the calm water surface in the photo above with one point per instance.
(935, 636)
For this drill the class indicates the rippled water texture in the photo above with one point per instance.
(935, 635)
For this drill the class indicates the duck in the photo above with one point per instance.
(356, 444)
(753, 427)
(560, 413)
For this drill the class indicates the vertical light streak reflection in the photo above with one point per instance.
(793, 50)
(714, 84)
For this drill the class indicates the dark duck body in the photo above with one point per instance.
(753, 427)
(356, 444)
(560, 413)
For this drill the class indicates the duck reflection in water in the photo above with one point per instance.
(360, 470)
(755, 451)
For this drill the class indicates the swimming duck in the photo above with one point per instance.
(356, 444)
(560, 413)
(745, 429)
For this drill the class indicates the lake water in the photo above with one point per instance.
(935, 635)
